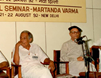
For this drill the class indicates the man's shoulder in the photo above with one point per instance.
(34, 45)
(69, 41)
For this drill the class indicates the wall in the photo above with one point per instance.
(51, 35)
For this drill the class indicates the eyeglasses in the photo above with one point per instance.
(73, 32)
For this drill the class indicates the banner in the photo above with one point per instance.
(43, 10)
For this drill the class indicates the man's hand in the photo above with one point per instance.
(18, 44)
(16, 54)
(51, 66)
(80, 59)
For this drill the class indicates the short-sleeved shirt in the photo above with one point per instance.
(34, 54)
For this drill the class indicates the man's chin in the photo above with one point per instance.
(76, 37)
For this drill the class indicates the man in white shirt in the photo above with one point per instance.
(30, 56)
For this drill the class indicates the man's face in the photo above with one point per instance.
(24, 39)
(74, 33)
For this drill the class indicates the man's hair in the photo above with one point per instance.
(29, 34)
(80, 30)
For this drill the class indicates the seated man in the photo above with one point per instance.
(3, 61)
(72, 52)
(30, 56)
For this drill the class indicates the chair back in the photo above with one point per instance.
(15, 69)
(95, 56)
(57, 59)
(57, 62)
(57, 55)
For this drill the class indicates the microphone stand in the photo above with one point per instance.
(86, 58)
(86, 54)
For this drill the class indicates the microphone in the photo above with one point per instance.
(79, 40)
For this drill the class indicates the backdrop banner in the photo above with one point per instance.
(43, 10)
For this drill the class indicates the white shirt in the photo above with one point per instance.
(34, 54)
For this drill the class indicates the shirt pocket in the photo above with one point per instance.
(35, 56)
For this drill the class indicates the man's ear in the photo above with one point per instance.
(30, 40)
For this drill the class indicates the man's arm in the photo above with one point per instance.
(16, 54)
(64, 52)
(51, 64)
(4, 64)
